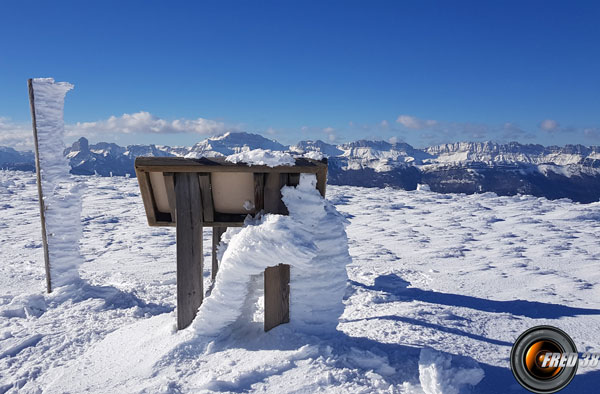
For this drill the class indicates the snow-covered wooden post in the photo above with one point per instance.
(212, 192)
(59, 197)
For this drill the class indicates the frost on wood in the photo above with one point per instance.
(62, 196)
(311, 239)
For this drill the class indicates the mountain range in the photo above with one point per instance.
(572, 171)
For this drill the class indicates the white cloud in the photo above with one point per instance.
(145, 123)
(549, 125)
(384, 124)
(412, 122)
(16, 135)
(592, 133)
(330, 131)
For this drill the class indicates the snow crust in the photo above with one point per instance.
(62, 196)
(439, 287)
(262, 157)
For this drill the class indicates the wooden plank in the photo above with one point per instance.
(170, 185)
(38, 173)
(284, 179)
(216, 239)
(146, 193)
(189, 247)
(259, 191)
(294, 180)
(322, 180)
(277, 295)
(218, 164)
(207, 201)
(272, 194)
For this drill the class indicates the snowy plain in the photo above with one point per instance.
(439, 288)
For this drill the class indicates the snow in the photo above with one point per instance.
(311, 239)
(438, 377)
(438, 289)
(262, 157)
(313, 154)
(62, 198)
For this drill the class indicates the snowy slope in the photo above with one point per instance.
(437, 283)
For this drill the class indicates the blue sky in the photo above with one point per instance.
(425, 72)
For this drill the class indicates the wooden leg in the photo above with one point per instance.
(277, 296)
(217, 233)
(189, 247)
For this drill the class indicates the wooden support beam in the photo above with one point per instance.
(272, 195)
(293, 179)
(189, 247)
(38, 174)
(277, 296)
(208, 207)
(259, 191)
(322, 180)
(216, 239)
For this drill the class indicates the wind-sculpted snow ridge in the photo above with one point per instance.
(62, 196)
(311, 239)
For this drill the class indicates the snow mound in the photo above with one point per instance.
(423, 187)
(62, 196)
(437, 376)
(262, 157)
(311, 239)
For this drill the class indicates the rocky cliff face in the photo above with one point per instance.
(572, 171)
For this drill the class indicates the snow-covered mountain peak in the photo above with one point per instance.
(511, 153)
(326, 149)
(233, 142)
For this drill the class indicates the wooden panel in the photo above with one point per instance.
(259, 191)
(217, 233)
(189, 247)
(207, 201)
(293, 180)
(38, 174)
(272, 195)
(170, 186)
(146, 192)
(277, 296)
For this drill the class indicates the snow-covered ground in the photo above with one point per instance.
(439, 288)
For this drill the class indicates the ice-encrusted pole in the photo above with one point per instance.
(39, 185)
(60, 204)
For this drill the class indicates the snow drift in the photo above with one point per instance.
(311, 239)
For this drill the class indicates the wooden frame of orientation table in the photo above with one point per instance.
(191, 207)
